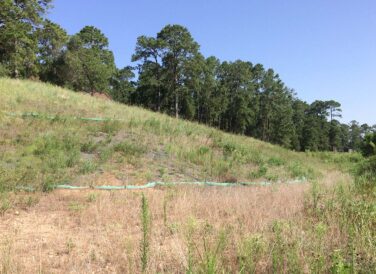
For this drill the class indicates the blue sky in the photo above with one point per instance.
(323, 49)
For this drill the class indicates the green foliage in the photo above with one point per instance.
(57, 152)
(145, 228)
(5, 204)
(276, 161)
(110, 127)
(130, 148)
(339, 265)
(206, 247)
(250, 252)
(259, 173)
(88, 167)
(122, 87)
(285, 258)
(297, 170)
(52, 40)
(3, 70)
(92, 197)
(48, 185)
(18, 37)
(105, 153)
(87, 65)
(368, 146)
(89, 146)
(76, 206)
(366, 174)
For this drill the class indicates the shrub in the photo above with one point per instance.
(260, 172)
(368, 146)
(274, 161)
(366, 173)
(299, 171)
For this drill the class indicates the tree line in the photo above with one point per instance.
(173, 77)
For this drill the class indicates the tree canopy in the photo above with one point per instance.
(170, 75)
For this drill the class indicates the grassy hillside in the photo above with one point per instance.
(138, 146)
(325, 225)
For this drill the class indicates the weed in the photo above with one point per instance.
(92, 197)
(76, 206)
(220, 169)
(89, 146)
(275, 161)
(212, 251)
(7, 264)
(5, 203)
(202, 150)
(70, 245)
(338, 263)
(162, 172)
(278, 248)
(48, 186)
(191, 227)
(366, 174)
(57, 152)
(153, 125)
(130, 149)
(259, 173)
(205, 253)
(145, 229)
(228, 149)
(88, 167)
(105, 153)
(165, 201)
(318, 258)
(110, 127)
(298, 171)
(315, 194)
(251, 251)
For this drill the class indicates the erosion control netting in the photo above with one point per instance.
(164, 184)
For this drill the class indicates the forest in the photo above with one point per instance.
(170, 75)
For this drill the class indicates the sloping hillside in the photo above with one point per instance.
(50, 136)
(44, 142)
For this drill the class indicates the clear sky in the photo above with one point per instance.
(323, 49)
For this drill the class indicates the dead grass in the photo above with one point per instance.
(66, 232)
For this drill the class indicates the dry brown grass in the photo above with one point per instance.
(99, 232)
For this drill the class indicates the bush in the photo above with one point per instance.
(366, 173)
(275, 161)
(3, 71)
(262, 170)
(368, 146)
(299, 171)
